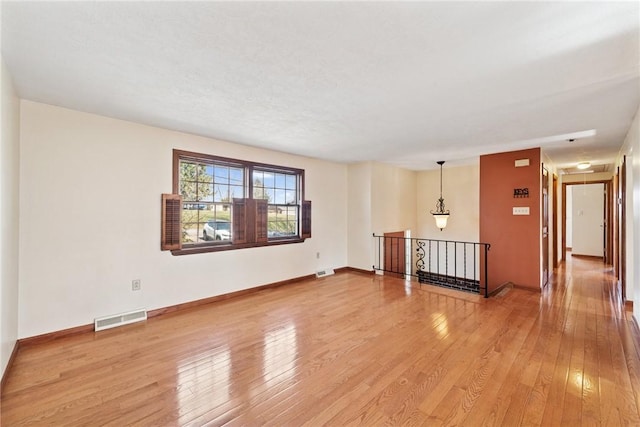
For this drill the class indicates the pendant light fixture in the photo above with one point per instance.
(440, 214)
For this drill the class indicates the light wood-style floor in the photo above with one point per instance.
(349, 349)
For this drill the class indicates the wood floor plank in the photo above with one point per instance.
(507, 346)
(552, 414)
(349, 349)
(572, 408)
(591, 377)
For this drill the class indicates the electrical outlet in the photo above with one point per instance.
(135, 285)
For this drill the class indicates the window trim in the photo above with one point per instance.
(248, 167)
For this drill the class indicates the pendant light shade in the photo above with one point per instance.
(440, 214)
(441, 220)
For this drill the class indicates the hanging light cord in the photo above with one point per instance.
(440, 202)
(441, 183)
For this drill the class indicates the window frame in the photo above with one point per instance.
(248, 167)
(278, 206)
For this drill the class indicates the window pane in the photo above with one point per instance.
(190, 213)
(189, 232)
(216, 230)
(188, 190)
(291, 182)
(292, 212)
(236, 192)
(236, 176)
(206, 192)
(221, 175)
(270, 195)
(268, 179)
(205, 172)
(188, 171)
(194, 181)
(291, 197)
(221, 212)
(221, 193)
(279, 198)
(258, 179)
(282, 221)
(280, 180)
(258, 193)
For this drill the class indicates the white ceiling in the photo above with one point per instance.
(407, 83)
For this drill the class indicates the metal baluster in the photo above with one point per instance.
(455, 263)
(465, 262)
(429, 275)
(475, 266)
(446, 261)
(438, 257)
(486, 271)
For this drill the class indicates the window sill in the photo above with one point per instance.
(200, 249)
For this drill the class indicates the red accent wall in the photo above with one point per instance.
(515, 240)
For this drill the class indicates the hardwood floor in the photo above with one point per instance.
(349, 349)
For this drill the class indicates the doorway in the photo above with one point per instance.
(622, 227)
(545, 226)
(586, 218)
(554, 236)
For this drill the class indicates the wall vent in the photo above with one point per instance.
(121, 319)
(325, 272)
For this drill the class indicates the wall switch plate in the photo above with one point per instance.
(521, 210)
(135, 285)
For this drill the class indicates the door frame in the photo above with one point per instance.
(608, 215)
(554, 215)
(622, 241)
(544, 232)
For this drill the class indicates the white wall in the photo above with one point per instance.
(90, 221)
(633, 214)
(569, 235)
(461, 193)
(9, 217)
(382, 198)
(393, 204)
(632, 227)
(360, 240)
(393, 199)
(587, 177)
(588, 219)
(631, 148)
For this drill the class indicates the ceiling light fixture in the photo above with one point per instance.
(583, 165)
(440, 214)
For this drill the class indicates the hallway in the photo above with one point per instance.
(590, 365)
(349, 349)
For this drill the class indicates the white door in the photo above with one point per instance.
(588, 220)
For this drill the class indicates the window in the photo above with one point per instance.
(280, 190)
(231, 204)
(207, 191)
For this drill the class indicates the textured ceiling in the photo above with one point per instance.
(403, 83)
